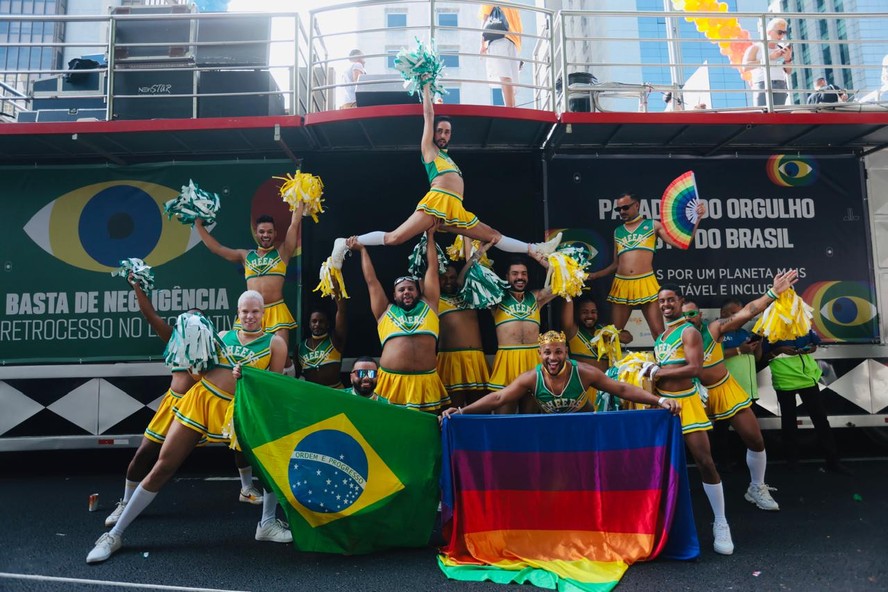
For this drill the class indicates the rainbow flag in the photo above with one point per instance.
(353, 475)
(565, 502)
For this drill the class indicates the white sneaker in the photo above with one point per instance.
(276, 531)
(250, 495)
(112, 518)
(105, 547)
(340, 250)
(722, 534)
(760, 496)
(547, 248)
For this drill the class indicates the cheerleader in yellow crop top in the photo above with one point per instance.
(443, 204)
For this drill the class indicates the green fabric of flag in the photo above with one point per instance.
(353, 475)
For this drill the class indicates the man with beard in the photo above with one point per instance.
(517, 320)
(634, 283)
(408, 332)
(320, 355)
(679, 353)
(581, 328)
(558, 385)
(726, 398)
(443, 204)
(364, 375)
(264, 269)
(461, 362)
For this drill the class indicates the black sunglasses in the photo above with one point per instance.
(624, 208)
(781, 31)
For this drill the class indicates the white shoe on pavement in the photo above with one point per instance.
(760, 495)
(723, 544)
(112, 518)
(276, 531)
(106, 546)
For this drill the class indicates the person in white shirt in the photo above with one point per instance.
(350, 77)
(779, 61)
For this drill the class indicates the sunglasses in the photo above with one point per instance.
(365, 373)
(624, 208)
(690, 314)
(781, 31)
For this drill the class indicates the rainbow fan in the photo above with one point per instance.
(678, 209)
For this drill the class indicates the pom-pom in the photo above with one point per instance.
(607, 344)
(785, 319)
(306, 188)
(456, 251)
(416, 261)
(193, 203)
(141, 273)
(482, 288)
(567, 272)
(332, 283)
(192, 345)
(605, 401)
(420, 67)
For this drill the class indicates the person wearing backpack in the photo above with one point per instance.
(500, 46)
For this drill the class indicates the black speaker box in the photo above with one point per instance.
(176, 33)
(233, 31)
(239, 81)
(381, 89)
(161, 90)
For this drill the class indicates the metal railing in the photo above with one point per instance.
(576, 60)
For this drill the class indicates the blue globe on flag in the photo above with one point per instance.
(328, 471)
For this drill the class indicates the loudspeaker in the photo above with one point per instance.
(161, 90)
(239, 81)
(176, 33)
(233, 53)
(389, 91)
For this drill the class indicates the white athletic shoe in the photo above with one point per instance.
(547, 248)
(340, 250)
(250, 495)
(760, 495)
(107, 545)
(723, 544)
(276, 531)
(114, 516)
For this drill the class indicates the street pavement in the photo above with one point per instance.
(830, 534)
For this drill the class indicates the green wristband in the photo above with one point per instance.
(770, 294)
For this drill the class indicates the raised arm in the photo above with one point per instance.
(216, 248)
(514, 392)
(432, 283)
(291, 240)
(160, 326)
(568, 320)
(378, 300)
(471, 259)
(340, 329)
(782, 283)
(428, 147)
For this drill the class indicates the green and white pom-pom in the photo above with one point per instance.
(192, 346)
(416, 261)
(482, 288)
(141, 273)
(193, 203)
(605, 401)
(420, 67)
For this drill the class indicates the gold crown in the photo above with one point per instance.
(553, 337)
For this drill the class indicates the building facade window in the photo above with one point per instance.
(448, 19)
(396, 20)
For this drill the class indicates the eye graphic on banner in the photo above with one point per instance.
(583, 237)
(791, 171)
(328, 470)
(844, 311)
(96, 226)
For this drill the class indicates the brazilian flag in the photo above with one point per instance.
(353, 475)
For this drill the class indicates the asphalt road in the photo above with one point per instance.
(831, 534)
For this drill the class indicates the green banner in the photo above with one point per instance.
(65, 230)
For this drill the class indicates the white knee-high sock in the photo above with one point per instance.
(269, 505)
(128, 488)
(372, 239)
(511, 245)
(756, 461)
(140, 500)
(246, 477)
(716, 495)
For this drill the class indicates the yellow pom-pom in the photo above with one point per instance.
(566, 276)
(787, 318)
(607, 344)
(305, 188)
(332, 282)
(456, 251)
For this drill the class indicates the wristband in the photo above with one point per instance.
(660, 402)
(653, 374)
(770, 294)
(459, 410)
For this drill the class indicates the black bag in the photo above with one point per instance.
(495, 25)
